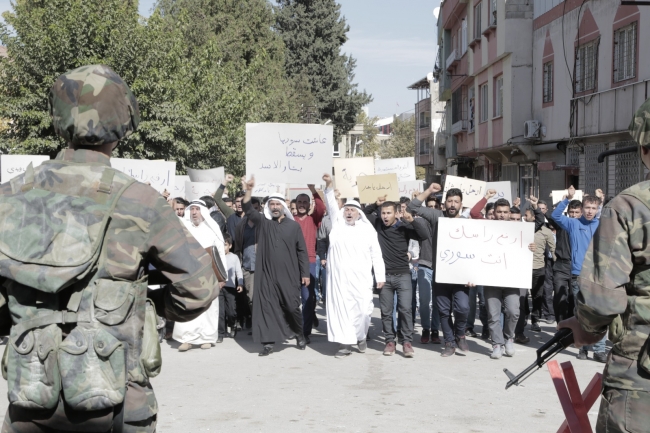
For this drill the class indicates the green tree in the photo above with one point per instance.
(401, 143)
(369, 140)
(313, 32)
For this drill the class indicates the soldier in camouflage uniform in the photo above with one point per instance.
(615, 293)
(81, 350)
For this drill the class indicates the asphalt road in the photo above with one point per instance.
(230, 389)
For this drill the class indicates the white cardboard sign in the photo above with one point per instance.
(504, 190)
(196, 190)
(161, 175)
(263, 189)
(179, 186)
(288, 152)
(473, 190)
(485, 252)
(404, 168)
(210, 175)
(14, 165)
(406, 189)
(346, 171)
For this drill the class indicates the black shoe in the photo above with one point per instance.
(600, 357)
(315, 323)
(535, 327)
(266, 351)
(220, 339)
(470, 333)
(485, 335)
(521, 339)
(250, 332)
(301, 342)
(582, 355)
(307, 340)
(449, 350)
(462, 344)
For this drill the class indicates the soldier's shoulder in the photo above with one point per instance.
(630, 199)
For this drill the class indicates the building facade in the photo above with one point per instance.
(428, 117)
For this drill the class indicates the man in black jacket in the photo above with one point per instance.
(394, 236)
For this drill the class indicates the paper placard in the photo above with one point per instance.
(161, 175)
(484, 252)
(263, 189)
(14, 165)
(179, 186)
(403, 167)
(196, 190)
(557, 195)
(504, 190)
(346, 172)
(473, 190)
(288, 152)
(210, 175)
(378, 185)
(406, 189)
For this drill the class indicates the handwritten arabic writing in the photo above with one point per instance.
(378, 187)
(503, 239)
(404, 168)
(450, 257)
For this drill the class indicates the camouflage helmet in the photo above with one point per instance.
(92, 105)
(640, 125)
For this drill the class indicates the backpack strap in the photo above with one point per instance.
(105, 185)
(55, 317)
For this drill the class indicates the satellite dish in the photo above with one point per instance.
(436, 12)
(430, 76)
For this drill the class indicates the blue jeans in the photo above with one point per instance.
(482, 314)
(317, 287)
(308, 296)
(599, 347)
(429, 317)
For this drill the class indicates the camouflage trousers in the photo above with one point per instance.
(623, 411)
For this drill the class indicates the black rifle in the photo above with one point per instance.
(560, 341)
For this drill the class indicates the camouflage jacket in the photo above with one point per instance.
(143, 229)
(615, 287)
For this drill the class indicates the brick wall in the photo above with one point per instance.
(519, 9)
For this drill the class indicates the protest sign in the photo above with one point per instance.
(473, 190)
(161, 175)
(378, 185)
(504, 190)
(558, 195)
(14, 165)
(210, 175)
(179, 186)
(196, 190)
(263, 189)
(288, 152)
(403, 167)
(484, 252)
(406, 189)
(346, 172)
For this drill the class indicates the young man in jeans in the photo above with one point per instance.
(394, 236)
(581, 231)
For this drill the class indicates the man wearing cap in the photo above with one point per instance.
(92, 110)
(614, 292)
(353, 253)
(281, 268)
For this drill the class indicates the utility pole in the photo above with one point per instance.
(310, 114)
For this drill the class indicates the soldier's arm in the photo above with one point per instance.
(174, 251)
(619, 241)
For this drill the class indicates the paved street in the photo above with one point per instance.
(230, 389)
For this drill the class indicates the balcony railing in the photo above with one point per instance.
(453, 59)
(459, 127)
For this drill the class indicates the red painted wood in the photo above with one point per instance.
(589, 396)
(576, 398)
(563, 395)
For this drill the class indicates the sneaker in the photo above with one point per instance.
(497, 351)
(462, 344)
(600, 357)
(535, 327)
(550, 320)
(425, 336)
(449, 350)
(206, 346)
(344, 351)
(435, 338)
(582, 355)
(470, 333)
(184, 347)
(509, 348)
(407, 348)
(362, 345)
(389, 350)
(521, 339)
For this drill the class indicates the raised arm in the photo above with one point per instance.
(558, 215)
(539, 216)
(331, 202)
(253, 215)
(429, 214)
(319, 207)
(218, 197)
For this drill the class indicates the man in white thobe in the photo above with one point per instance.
(353, 253)
(204, 330)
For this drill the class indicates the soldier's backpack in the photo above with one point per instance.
(74, 335)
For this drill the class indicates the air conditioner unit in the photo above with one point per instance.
(532, 129)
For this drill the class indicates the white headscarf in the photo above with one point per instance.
(278, 197)
(352, 203)
(207, 238)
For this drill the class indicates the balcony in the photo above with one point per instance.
(453, 59)
(458, 127)
(451, 10)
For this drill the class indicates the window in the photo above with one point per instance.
(483, 96)
(425, 119)
(548, 82)
(463, 36)
(335, 152)
(625, 53)
(492, 13)
(424, 146)
(477, 21)
(456, 107)
(498, 96)
(472, 104)
(586, 64)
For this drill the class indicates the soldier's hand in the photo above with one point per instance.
(490, 193)
(571, 192)
(434, 188)
(229, 178)
(580, 336)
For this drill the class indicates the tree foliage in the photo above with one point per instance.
(313, 32)
(401, 143)
(369, 140)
